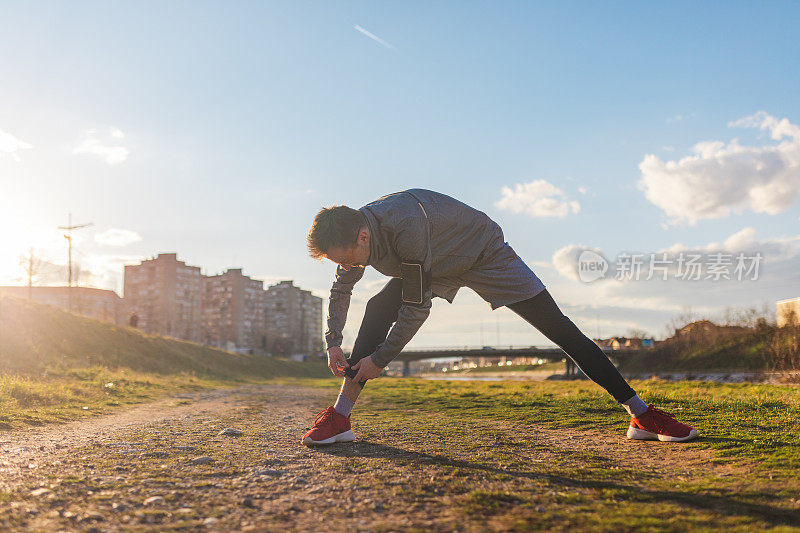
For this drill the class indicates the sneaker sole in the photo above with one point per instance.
(345, 436)
(641, 434)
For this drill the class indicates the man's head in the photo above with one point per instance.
(340, 234)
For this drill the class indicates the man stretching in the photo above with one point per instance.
(431, 245)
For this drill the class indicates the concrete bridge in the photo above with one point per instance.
(548, 353)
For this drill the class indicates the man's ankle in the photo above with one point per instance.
(635, 406)
(344, 405)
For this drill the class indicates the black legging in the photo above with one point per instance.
(540, 311)
(543, 314)
(380, 314)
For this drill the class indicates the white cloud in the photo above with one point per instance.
(565, 260)
(761, 120)
(373, 37)
(745, 241)
(720, 179)
(653, 303)
(117, 237)
(110, 153)
(582, 190)
(537, 198)
(778, 254)
(10, 145)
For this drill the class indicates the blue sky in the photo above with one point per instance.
(217, 130)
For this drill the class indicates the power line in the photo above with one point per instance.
(69, 227)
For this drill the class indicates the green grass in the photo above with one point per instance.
(74, 394)
(434, 456)
(442, 448)
(756, 423)
(752, 428)
(56, 366)
(36, 338)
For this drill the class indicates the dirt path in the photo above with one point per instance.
(165, 466)
(22, 451)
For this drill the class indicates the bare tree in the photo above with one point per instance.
(686, 316)
(39, 270)
(637, 333)
(33, 267)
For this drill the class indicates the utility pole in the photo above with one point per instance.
(69, 227)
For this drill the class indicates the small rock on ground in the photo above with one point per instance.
(154, 500)
(268, 472)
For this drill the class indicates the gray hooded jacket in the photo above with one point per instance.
(437, 245)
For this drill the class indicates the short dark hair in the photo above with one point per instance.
(334, 226)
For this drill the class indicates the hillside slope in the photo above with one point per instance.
(703, 345)
(35, 338)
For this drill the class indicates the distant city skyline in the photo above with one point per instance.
(217, 131)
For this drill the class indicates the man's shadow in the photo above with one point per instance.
(719, 503)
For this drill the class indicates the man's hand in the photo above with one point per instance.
(336, 360)
(366, 370)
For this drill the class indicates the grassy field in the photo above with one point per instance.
(56, 366)
(738, 421)
(750, 436)
(37, 338)
(66, 395)
(429, 456)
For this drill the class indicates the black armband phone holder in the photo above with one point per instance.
(415, 282)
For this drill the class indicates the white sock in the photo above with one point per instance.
(635, 406)
(343, 405)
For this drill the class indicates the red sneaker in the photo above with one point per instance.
(329, 427)
(655, 424)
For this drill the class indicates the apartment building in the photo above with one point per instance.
(167, 296)
(294, 320)
(234, 312)
(230, 310)
(99, 304)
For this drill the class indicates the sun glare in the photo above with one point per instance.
(17, 239)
